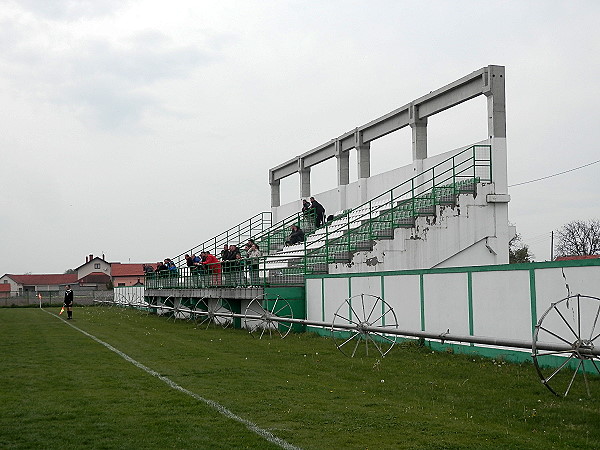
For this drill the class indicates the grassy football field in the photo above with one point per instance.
(120, 378)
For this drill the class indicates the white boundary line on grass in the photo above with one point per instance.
(220, 408)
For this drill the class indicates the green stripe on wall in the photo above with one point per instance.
(383, 298)
(470, 300)
(422, 292)
(350, 296)
(533, 299)
(323, 299)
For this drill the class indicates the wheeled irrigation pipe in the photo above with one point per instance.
(443, 337)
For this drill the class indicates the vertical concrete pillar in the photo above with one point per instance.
(304, 179)
(275, 193)
(343, 165)
(496, 101)
(419, 133)
(499, 165)
(363, 155)
(363, 158)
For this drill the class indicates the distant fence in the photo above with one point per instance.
(56, 298)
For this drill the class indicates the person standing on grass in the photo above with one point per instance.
(69, 301)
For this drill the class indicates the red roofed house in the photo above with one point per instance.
(4, 290)
(94, 274)
(571, 258)
(97, 272)
(127, 274)
(20, 284)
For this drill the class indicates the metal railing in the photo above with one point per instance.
(273, 239)
(238, 234)
(238, 273)
(270, 238)
(357, 229)
(352, 230)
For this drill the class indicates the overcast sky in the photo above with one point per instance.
(137, 129)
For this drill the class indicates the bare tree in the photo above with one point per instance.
(578, 238)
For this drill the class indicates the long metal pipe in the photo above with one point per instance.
(513, 343)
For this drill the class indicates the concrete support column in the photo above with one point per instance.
(304, 179)
(496, 101)
(363, 158)
(275, 194)
(419, 133)
(499, 165)
(363, 155)
(343, 165)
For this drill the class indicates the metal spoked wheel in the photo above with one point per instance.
(215, 312)
(180, 311)
(565, 346)
(164, 307)
(355, 324)
(130, 300)
(106, 299)
(260, 318)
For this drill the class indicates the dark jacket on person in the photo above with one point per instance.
(295, 236)
(68, 297)
(319, 209)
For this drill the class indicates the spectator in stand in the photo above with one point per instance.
(248, 246)
(254, 254)
(225, 253)
(161, 267)
(214, 267)
(229, 264)
(189, 261)
(147, 269)
(307, 210)
(225, 263)
(171, 265)
(296, 236)
(237, 266)
(246, 262)
(172, 268)
(305, 206)
(233, 252)
(197, 260)
(319, 212)
(193, 267)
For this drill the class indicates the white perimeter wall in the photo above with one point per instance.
(129, 295)
(503, 301)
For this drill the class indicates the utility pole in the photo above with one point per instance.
(552, 246)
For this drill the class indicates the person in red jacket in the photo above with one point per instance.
(214, 266)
